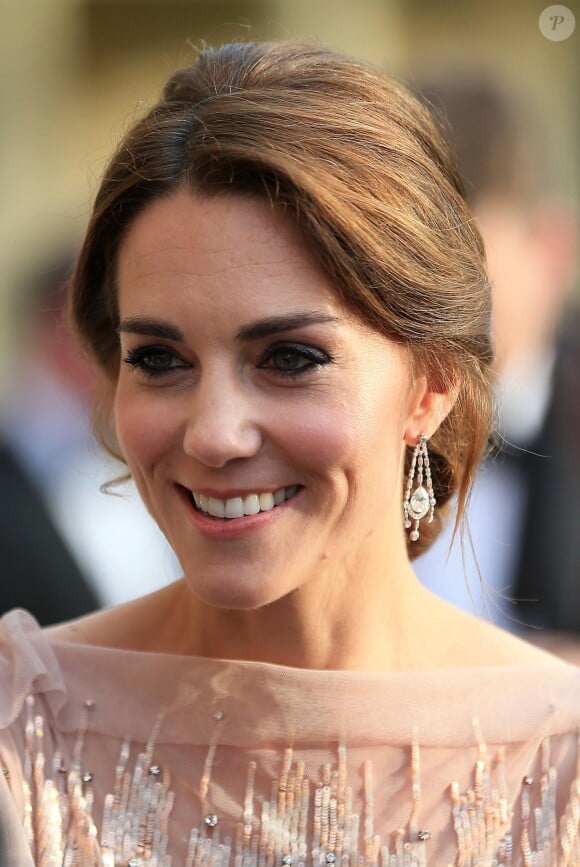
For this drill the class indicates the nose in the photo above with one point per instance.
(221, 424)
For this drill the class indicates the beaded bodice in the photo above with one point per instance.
(176, 762)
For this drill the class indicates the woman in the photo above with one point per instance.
(287, 299)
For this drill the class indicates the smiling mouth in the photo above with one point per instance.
(240, 507)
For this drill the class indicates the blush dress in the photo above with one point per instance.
(116, 758)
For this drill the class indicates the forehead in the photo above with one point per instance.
(231, 247)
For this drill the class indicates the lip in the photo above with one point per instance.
(215, 528)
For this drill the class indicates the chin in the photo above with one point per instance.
(238, 596)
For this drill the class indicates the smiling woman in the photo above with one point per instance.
(259, 381)
(287, 298)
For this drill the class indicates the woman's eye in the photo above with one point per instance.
(153, 361)
(293, 360)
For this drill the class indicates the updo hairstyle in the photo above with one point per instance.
(362, 167)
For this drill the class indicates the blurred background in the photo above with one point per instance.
(74, 74)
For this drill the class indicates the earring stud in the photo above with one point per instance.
(420, 501)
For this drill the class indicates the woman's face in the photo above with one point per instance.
(247, 390)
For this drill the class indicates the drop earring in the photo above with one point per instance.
(421, 501)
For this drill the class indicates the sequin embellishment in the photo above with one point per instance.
(302, 822)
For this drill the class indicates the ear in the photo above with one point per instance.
(428, 406)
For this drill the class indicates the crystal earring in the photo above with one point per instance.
(420, 502)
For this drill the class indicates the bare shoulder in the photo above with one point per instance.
(124, 627)
(455, 638)
(484, 644)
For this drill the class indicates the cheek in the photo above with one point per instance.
(145, 431)
(355, 440)
(321, 435)
(380, 427)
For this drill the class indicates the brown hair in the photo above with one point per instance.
(361, 165)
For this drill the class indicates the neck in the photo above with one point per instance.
(353, 618)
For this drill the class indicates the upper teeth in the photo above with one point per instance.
(237, 507)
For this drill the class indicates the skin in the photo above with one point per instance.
(327, 582)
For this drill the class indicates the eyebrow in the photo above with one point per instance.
(149, 327)
(275, 324)
(252, 331)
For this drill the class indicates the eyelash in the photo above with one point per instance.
(316, 358)
(137, 359)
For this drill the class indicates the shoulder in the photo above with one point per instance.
(27, 664)
(110, 627)
(517, 684)
(459, 639)
(498, 647)
(135, 625)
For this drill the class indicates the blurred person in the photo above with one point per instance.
(525, 508)
(38, 571)
(288, 304)
(66, 545)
